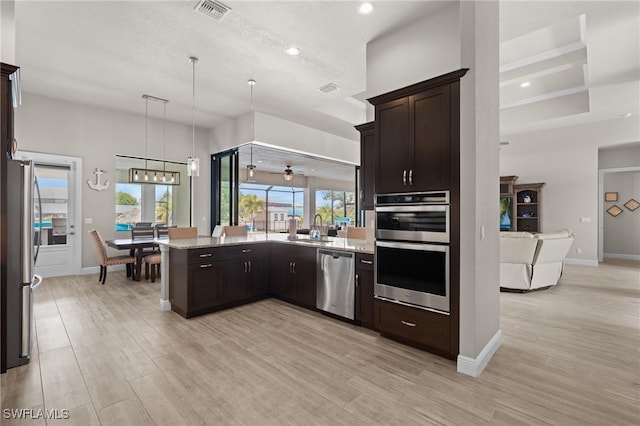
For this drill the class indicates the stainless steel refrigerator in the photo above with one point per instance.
(23, 245)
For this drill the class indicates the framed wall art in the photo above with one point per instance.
(611, 196)
(614, 210)
(632, 204)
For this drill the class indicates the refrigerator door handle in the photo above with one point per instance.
(25, 349)
(27, 225)
(37, 186)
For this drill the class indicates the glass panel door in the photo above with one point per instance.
(224, 185)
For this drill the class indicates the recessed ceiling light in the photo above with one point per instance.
(259, 161)
(627, 115)
(293, 51)
(525, 84)
(366, 8)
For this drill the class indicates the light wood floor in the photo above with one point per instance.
(570, 356)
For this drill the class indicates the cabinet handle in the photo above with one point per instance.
(246, 250)
(366, 262)
(249, 265)
(207, 265)
(411, 177)
(404, 177)
(361, 194)
(206, 255)
(291, 267)
(245, 266)
(294, 267)
(408, 324)
(357, 280)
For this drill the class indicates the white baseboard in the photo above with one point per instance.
(622, 256)
(96, 269)
(165, 305)
(582, 262)
(474, 366)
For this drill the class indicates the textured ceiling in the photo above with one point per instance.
(109, 53)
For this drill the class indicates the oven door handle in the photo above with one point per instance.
(410, 246)
(413, 208)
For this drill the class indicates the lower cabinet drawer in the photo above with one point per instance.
(413, 324)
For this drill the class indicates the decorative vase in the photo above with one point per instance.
(526, 198)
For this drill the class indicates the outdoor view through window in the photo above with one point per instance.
(146, 202)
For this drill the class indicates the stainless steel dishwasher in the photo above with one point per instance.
(335, 286)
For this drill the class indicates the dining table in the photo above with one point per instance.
(138, 245)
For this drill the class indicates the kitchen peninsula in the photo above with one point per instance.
(206, 274)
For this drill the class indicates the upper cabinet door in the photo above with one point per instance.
(392, 125)
(429, 132)
(368, 156)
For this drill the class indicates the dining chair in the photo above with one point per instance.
(142, 231)
(235, 231)
(182, 233)
(152, 261)
(106, 260)
(163, 230)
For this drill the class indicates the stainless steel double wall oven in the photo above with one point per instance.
(412, 249)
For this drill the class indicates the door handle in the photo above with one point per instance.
(207, 265)
(206, 255)
(246, 250)
(357, 280)
(245, 266)
(294, 267)
(291, 267)
(249, 265)
(361, 194)
(404, 177)
(411, 177)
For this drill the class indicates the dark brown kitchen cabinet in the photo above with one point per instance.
(417, 135)
(195, 280)
(418, 327)
(244, 274)
(368, 154)
(204, 280)
(6, 138)
(293, 274)
(365, 312)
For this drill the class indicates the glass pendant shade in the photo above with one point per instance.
(193, 166)
(251, 173)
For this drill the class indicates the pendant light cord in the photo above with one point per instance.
(164, 136)
(253, 120)
(146, 131)
(194, 60)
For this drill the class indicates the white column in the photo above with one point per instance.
(480, 334)
(165, 304)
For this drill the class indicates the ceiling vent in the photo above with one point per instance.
(213, 9)
(328, 88)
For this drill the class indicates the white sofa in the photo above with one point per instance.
(531, 261)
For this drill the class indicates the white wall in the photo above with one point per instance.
(97, 135)
(567, 160)
(622, 233)
(7, 31)
(479, 189)
(416, 52)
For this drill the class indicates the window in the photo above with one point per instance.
(158, 204)
(54, 192)
(258, 202)
(336, 207)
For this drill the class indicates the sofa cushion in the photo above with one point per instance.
(517, 250)
(565, 233)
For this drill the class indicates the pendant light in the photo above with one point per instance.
(251, 168)
(152, 176)
(193, 162)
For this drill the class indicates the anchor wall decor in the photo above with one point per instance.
(98, 186)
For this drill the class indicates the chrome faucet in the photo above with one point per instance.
(316, 234)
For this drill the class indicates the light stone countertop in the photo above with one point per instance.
(334, 243)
